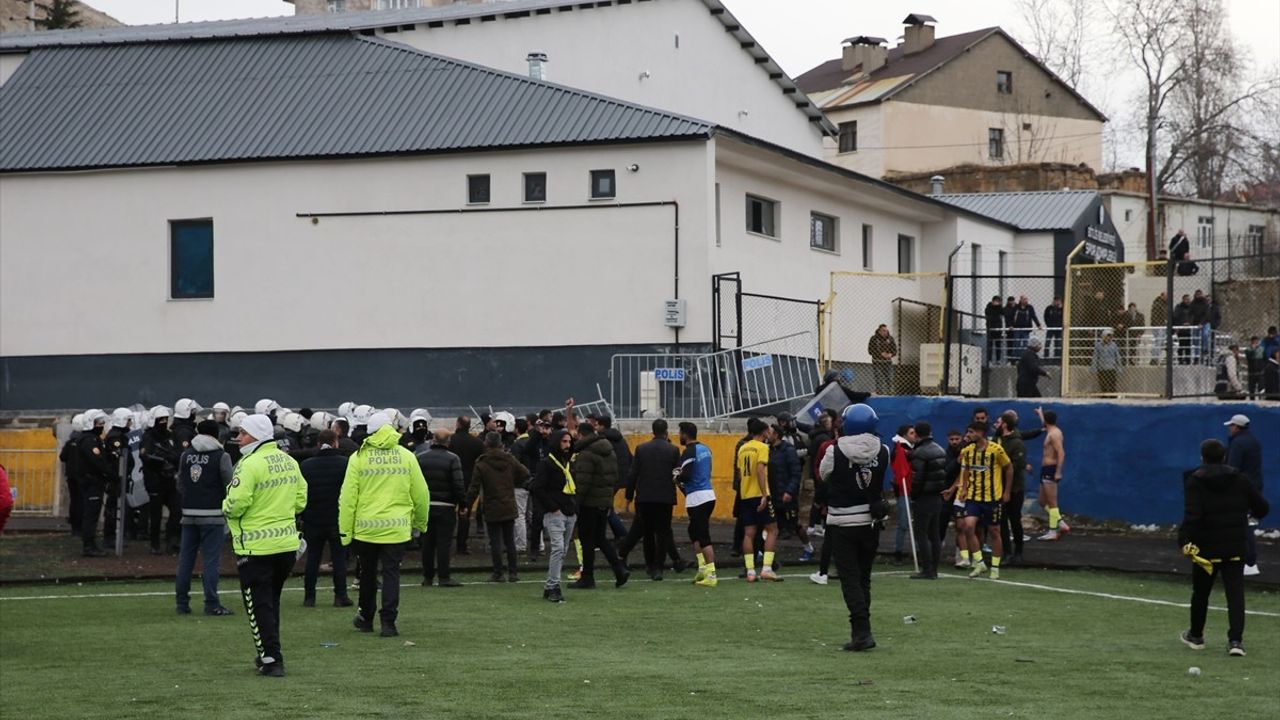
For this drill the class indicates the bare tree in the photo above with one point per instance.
(1060, 35)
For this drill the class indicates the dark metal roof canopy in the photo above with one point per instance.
(919, 19)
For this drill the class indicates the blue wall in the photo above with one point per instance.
(1124, 461)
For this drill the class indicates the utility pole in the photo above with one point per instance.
(1152, 196)
(31, 15)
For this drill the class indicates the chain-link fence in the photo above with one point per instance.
(992, 321)
(1159, 330)
(883, 331)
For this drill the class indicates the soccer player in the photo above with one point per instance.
(1051, 473)
(983, 465)
(694, 478)
(753, 500)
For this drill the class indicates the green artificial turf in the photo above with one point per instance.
(651, 650)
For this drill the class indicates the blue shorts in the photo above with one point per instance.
(751, 515)
(1046, 475)
(988, 513)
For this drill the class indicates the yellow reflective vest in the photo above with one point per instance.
(266, 493)
(384, 495)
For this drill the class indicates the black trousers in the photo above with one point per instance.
(535, 530)
(592, 524)
(90, 509)
(655, 522)
(854, 551)
(437, 541)
(172, 526)
(261, 580)
(464, 529)
(317, 538)
(502, 536)
(945, 515)
(1011, 524)
(1232, 572)
(925, 513)
(636, 535)
(371, 555)
(75, 511)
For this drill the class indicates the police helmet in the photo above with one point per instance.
(91, 418)
(220, 408)
(121, 417)
(360, 414)
(292, 422)
(157, 412)
(345, 409)
(76, 421)
(234, 420)
(320, 420)
(419, 415)
(858, 419)
(265, 406)
(186, 408)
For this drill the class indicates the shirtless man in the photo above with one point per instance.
(1051, 473)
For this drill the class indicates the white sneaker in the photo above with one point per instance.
(1251, 570)
(1051, 535)
(963, 563)
(818, 579)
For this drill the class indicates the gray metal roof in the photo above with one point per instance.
(1031, 211)
(386, 22)
(277, 97)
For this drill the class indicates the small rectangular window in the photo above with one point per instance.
(1204, 232)
(603, 186)
(337, 6)
(190, 259)
(1004, 82)
(1253, 241)
(822, 232)
(849, 136)
(995, 143)
(866, 247)
(762, 216)
(535, 187)
(477, 189)
(906, 252)
(1128, 215)
(397, 4)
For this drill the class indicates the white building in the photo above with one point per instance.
(238, 209)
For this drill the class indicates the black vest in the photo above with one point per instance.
(852, 485)
(200, 480)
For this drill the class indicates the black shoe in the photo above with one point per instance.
(1235, 649)
(1015, 559)
(183, 610)
(534, 557)
(621, 577)
(656, 576)
(449, 582)
(735, 554)
(361, 624)
(679, 566)
(426, 582)
(155, 550)
(513, 578)
(389, 630)
(495, 577)
(583, 584)
(462, 551)
(274, 669)
(218, 611)
(309, 601)
(858, 644)
(546, 593)
(342, 601)
(94, 551)
(554, 595)
(923, 576)
(1191, 641)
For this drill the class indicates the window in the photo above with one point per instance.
(477, 189)
(906, 263)
(603, 186)
(866, 247)
(1204, 232)
(1128, 216)
(1004, 82)
(1253, 239)
(762, 216)
(535, 187)
(337, 6)
(397, 4)
(190, 259)
(849, 136)
(822, 232)
(1002, 258)
(995, 143)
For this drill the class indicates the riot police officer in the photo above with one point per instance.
(184, 422)
(96, 474)
(159, 454)
(117, 449)
(854, 470)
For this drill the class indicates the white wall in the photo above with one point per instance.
(9, 65)
(606, 50)
(1133, 231)
(96, 280)
(869, 158)
(1185, 214)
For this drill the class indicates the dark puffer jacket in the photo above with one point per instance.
(1218, 501)
(595, 472)
(498, 474)
(621, 451)
(443, 472)
(928, 469)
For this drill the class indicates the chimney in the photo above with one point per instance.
(868, 52)
(537, 65)
(918, 35)
(937, 182)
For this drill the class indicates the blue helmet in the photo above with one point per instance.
(859, 419)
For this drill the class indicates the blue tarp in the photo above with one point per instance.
(1124, 461)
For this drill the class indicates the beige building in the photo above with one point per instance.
(17, 15)
(978, 98)
(319, 7)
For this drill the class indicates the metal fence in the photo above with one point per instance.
(757, 376)
(35, 479)
(655, 385)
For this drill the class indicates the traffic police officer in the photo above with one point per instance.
(854, 470)
(267, 491)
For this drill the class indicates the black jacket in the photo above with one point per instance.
(1053, 317)
(1024, 316)
(96, 472)
(1029, 373)
(1217, 503)
(928, 469)
(547, 489)
(468, 448)
(70, 455)
(159, 454)
(1271, 380)
(1245, 455)
(784, 472)
(650, 479)
(184, 431)
(324, 473)
(595, 472)
(443, 471)
(621, 451)
(1017, 452)
(994, 314)
(204, 471)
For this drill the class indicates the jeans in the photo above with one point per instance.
(1052, 344)
(854, 551)
(261, 581)
(1232, 572)
(1018, 341)
(206, 540)
(903, 530)
(521, 526)
(925, 513)
(502, 535)
(883, 372)
(370, 555)
(560, 528)
(437, 541)
(995, 345)
(591, 529)
(317, 538)
(616, 526)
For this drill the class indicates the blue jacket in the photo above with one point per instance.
(784, 471)
(1244, 453)
(695, 468)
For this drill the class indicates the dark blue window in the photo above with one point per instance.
(190, 259)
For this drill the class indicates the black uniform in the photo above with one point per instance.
(96, 474)
(928, 480)
(160, 472)
(70, 457)
(117, 447)
(854, 504)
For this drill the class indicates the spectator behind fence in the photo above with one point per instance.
(1182, 321)
(1255, 360)
(1159, 318)
(1270, 343)
(1227, 385)
(1106, 362)
(1053, 329)
(1024, 318)
(1030, 370)
(994, 314)
(1200, 319)
(1179, 246)
(882, 350)
(1271, 376)
(1131, 324)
